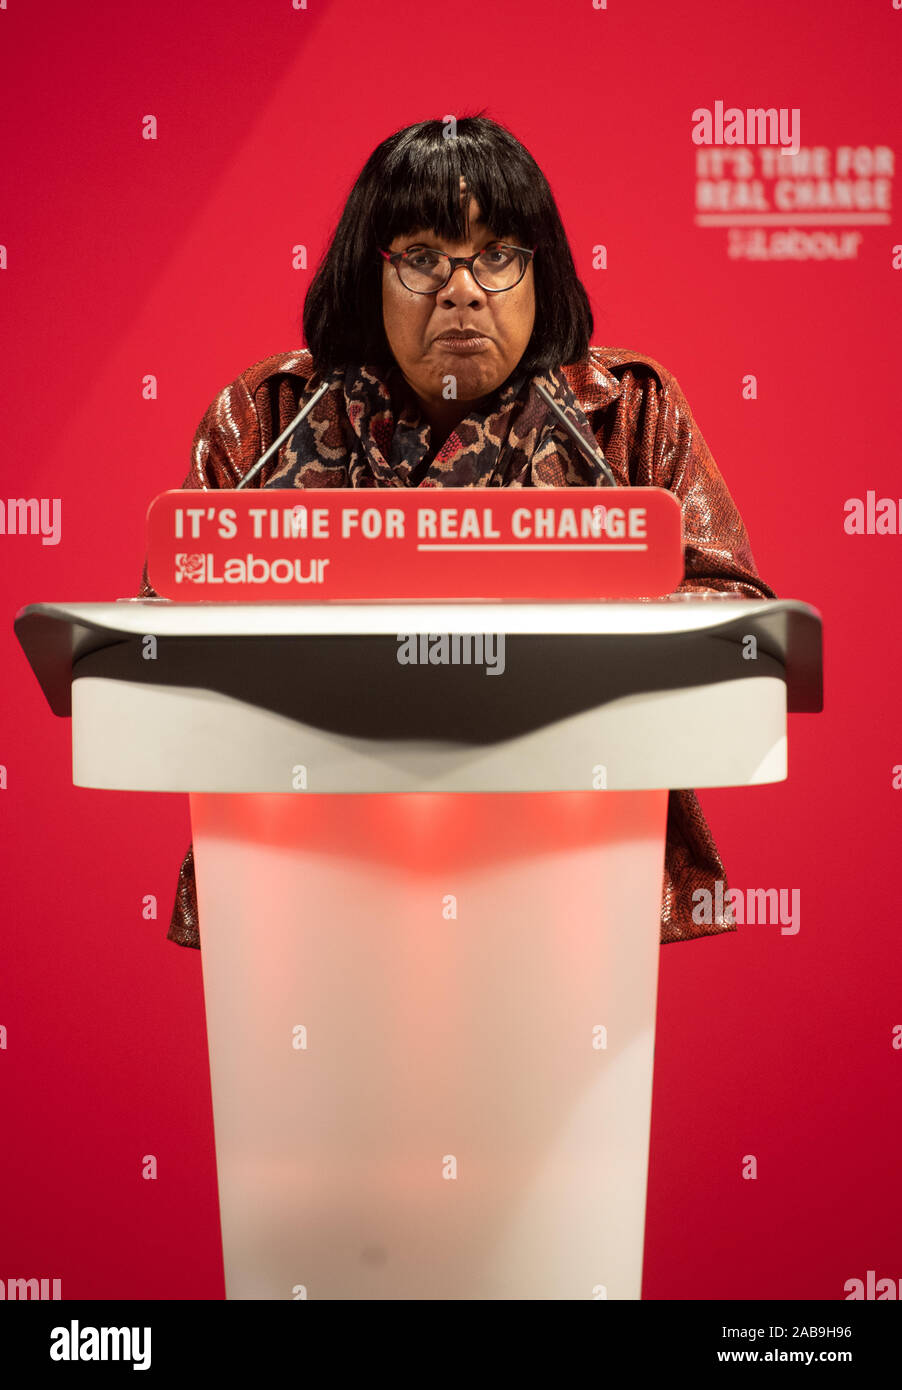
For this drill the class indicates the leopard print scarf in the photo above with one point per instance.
(367, 431)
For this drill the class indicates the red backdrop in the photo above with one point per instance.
(127, 257)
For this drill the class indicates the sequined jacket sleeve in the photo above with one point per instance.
(651, 439)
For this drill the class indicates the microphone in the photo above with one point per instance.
(252, 472)
(593, 455)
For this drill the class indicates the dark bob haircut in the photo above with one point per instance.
(411, 182)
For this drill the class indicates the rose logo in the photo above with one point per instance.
(191, 567)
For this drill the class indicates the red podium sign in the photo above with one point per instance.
(411, 543)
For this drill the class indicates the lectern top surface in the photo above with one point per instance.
(672, 614)
(54, 636)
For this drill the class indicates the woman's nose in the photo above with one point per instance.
(461, 289)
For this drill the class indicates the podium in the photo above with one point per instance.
(429, 898)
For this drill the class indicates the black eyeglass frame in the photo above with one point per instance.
(394, 257)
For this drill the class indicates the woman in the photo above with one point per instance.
(432, 365)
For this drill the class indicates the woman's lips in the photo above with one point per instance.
(464, 345)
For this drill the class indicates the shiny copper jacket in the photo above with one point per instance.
(645, 428)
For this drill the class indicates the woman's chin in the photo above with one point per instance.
(470, 378)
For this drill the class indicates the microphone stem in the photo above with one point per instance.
(252, 472)
(593, 455)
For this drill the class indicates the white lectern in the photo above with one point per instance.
(429, 901)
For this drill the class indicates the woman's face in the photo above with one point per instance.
(414, 323)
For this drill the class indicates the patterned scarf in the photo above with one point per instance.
(368, 431)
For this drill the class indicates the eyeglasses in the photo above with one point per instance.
(424, 270)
